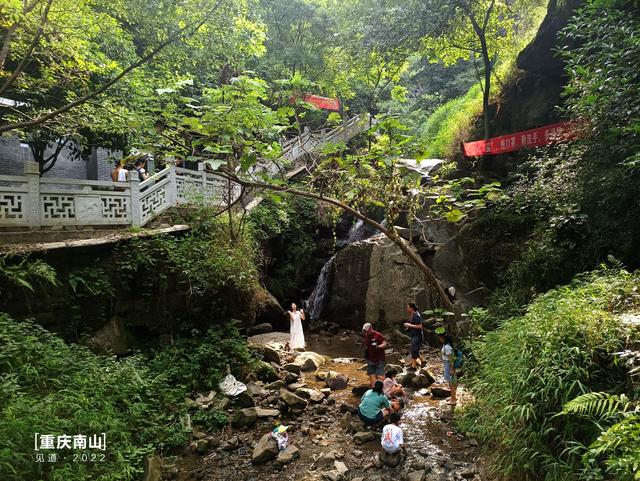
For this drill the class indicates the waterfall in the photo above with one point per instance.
(319, 297)
(356, 232)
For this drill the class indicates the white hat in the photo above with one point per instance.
(366, 327)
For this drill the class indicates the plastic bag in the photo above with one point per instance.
(230, 386)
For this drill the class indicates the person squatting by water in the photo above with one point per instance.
(392, 438)
(374, 344)
(391, 388)
(296, 339)
(414, 326)
(374, 406)
(448, 362)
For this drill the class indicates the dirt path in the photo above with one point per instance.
(324, 432)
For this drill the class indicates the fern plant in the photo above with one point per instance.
(618, 446)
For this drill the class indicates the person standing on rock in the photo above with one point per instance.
(296, 341)
(414, 326)
(375, 345)
(448, 362)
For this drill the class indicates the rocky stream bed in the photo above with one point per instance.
(316, 395)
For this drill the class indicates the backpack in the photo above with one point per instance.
(458, 362)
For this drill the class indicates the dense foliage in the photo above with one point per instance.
(581, 197)
(50, 387)
(527, 369)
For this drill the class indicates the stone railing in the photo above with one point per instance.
(32, 201)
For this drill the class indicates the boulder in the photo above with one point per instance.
(265, 450)
(360, 389)
(269, 354)
(416, 475)
(292, 400)
(370, 280)
(391, 460)
(363, 437)
(290, 378)
(152, 468)
(396, 367)
(341, 467)
(405, 379)
(326, 459)
(309, 361)
(112, 338)
(420, 381)
(292, 367)
(262, 328)
(426, 373)
(336, 381)
(440, 392)
(268, 309)
(274, 386)
(288, 454)
(244, 417)
(202, 446)
(266, 413)
(244, 400)
(348, 408)
(312, 395)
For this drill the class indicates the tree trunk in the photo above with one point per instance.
(487, 86)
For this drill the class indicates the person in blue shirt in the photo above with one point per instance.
(414, 326)
(374, 406)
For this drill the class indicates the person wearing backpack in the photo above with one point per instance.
(451, 361)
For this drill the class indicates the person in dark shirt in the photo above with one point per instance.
(375, 345)
(414, 326)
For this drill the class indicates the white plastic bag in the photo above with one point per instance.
(230, 386)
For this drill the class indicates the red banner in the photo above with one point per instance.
(548, 134)
(320, 102)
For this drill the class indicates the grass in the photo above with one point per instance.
(532, 365)
(48, 386)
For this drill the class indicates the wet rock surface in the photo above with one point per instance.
(327, 440)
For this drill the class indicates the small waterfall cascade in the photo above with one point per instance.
(319, 297)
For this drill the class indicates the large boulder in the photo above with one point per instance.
(261, 328)
(269, 310)
(113, 338)
(265, 450)
(312, 395)
(372, 281)
(309, 361)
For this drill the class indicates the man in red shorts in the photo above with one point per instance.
(375, 345)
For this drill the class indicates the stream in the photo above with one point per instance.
(322, 432)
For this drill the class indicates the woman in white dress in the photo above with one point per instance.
(297, 335)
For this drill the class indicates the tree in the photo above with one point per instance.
(231, 129)
(80, 63)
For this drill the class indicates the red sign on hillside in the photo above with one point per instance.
(548, 134)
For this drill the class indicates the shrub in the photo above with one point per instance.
(50, 387)
(527, 369)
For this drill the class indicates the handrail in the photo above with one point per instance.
(155, 177)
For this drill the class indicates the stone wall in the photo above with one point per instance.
(98, 165)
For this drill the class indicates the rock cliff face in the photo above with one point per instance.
(532, 100)
(371, 281)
